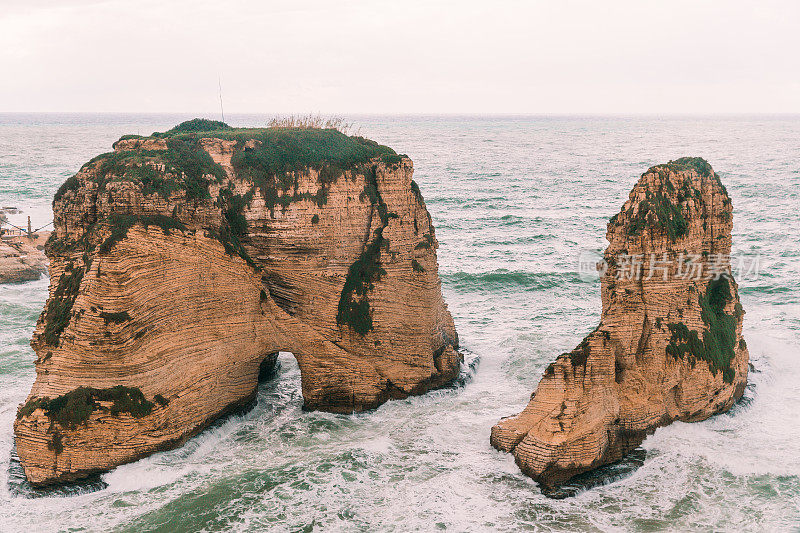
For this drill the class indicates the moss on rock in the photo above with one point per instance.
(120, 224)
(58, 312)
(116, 318)
(354, 309)
(719, 336)
(75, 407)
(658, 209)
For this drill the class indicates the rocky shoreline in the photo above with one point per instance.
(23, 259)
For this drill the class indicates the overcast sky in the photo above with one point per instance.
(427, 56)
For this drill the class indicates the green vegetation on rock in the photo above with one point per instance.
(186, 165)
(233, 209)
(57, 444)
(719, 336)
(160, 400)
(417, 192)
(698, 164)
(186, 168)
(277, 155)
(269, 157)
(683, 164)
(426, 244)
(115, 318)
(120, 224)
(666, 207)
(280, 150)
(391, 159)
(76, 406)
(196, 125)
(580, 355)
(354, 309)
(660, 210)
(272, 158)
(71, 184)
(58, 312)
(232, 234)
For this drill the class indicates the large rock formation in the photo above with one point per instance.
(669, 344)
(181, 264)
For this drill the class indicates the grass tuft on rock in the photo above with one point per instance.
(196, 125)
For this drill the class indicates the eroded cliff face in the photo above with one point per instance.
(669, 344)
(182, 262)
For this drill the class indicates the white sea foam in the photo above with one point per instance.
(514, 200)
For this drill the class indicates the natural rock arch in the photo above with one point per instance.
(181, 261)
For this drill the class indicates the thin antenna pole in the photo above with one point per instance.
(222, 110)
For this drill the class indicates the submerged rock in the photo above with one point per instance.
(669, 344)
(602, 475)
(181, 264)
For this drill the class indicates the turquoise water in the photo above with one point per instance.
(515, 201)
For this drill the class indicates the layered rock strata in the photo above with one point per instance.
(669, 345)
(181, 263)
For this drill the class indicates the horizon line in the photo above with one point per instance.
(430, 113)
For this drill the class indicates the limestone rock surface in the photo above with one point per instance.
(183, 262)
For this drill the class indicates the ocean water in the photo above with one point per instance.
(515, 202)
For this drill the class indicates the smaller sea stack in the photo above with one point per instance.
(669, 345)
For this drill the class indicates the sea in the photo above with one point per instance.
(517, 201)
